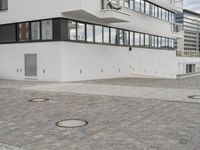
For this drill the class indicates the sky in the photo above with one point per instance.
(193, 5)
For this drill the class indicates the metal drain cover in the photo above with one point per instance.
(71, 123)
(39, 100)
(195, 97)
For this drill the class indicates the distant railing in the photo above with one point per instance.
(188, 53)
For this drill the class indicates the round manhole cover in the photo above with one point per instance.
(195, 97)
(39, 100)
(71, 123)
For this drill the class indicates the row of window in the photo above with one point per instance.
(71, 30)
(148, 8)
(34, 31)
(86, 32)
(3, 5)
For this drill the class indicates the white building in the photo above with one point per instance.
(64, 40)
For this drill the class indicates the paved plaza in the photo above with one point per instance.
(122, 114)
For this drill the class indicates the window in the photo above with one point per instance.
(147, 40)
(35, 31)
(137, 5)
(163, 14)
(147, 8)
(159, 12)
(80, 31)
(137, 39)
(167, 16)
(113, 35)
(141, 40)
(131, 38)
(3, 5)
(159, 42)
(156, 42)
(90, 33)
(72, 30)
(156, 12)
(120, 37)
(7, 33)
(127, 3)
(167, 43)
(131, 4)
(153, 10)
(152, 41)
(163, 42)
(23, 32)
(47, 30)
(98, 34)
(126, 38)
(106, 33)
(142, 6)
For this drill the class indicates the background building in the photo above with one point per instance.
(191, 26)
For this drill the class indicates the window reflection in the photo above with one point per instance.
(90, 33)
(98, 34)
(80, 31)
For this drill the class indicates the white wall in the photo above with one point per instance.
(91, 59)
(48, 57)
(182, 61)
(63, 61)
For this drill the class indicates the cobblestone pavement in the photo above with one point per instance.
(116, 122)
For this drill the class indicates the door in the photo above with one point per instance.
(30, 65)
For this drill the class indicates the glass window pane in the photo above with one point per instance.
(127, 3)
(72, 30)
(90, 33)
(142, 6)
(47, 30)
(141, 39)
(131, 4)
(23, 31)
(137, 5)
(167, 16)
(156, 11)
(159, 42)
(106, 34)
(163, 42)
(147, 8)
(153, 10)
(146, 40)
(160, 13)
(120, 37)
(163, 14)
(98, 34)
(80, 31)
(113, 35)
(126, 38)
(137, 39)
(152, 41)
(35, 30)
(3, 4)
(167, 43)
(131, 38)
(156, 42)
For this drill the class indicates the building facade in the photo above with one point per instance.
(87, 39)
(191, 26)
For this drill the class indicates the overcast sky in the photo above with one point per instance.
(193, 5)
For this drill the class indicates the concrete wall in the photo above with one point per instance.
(69, 61)
(115, 62)
(48, 58)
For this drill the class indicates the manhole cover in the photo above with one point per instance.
(71, 123)
(39, 100)
(194, 96)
